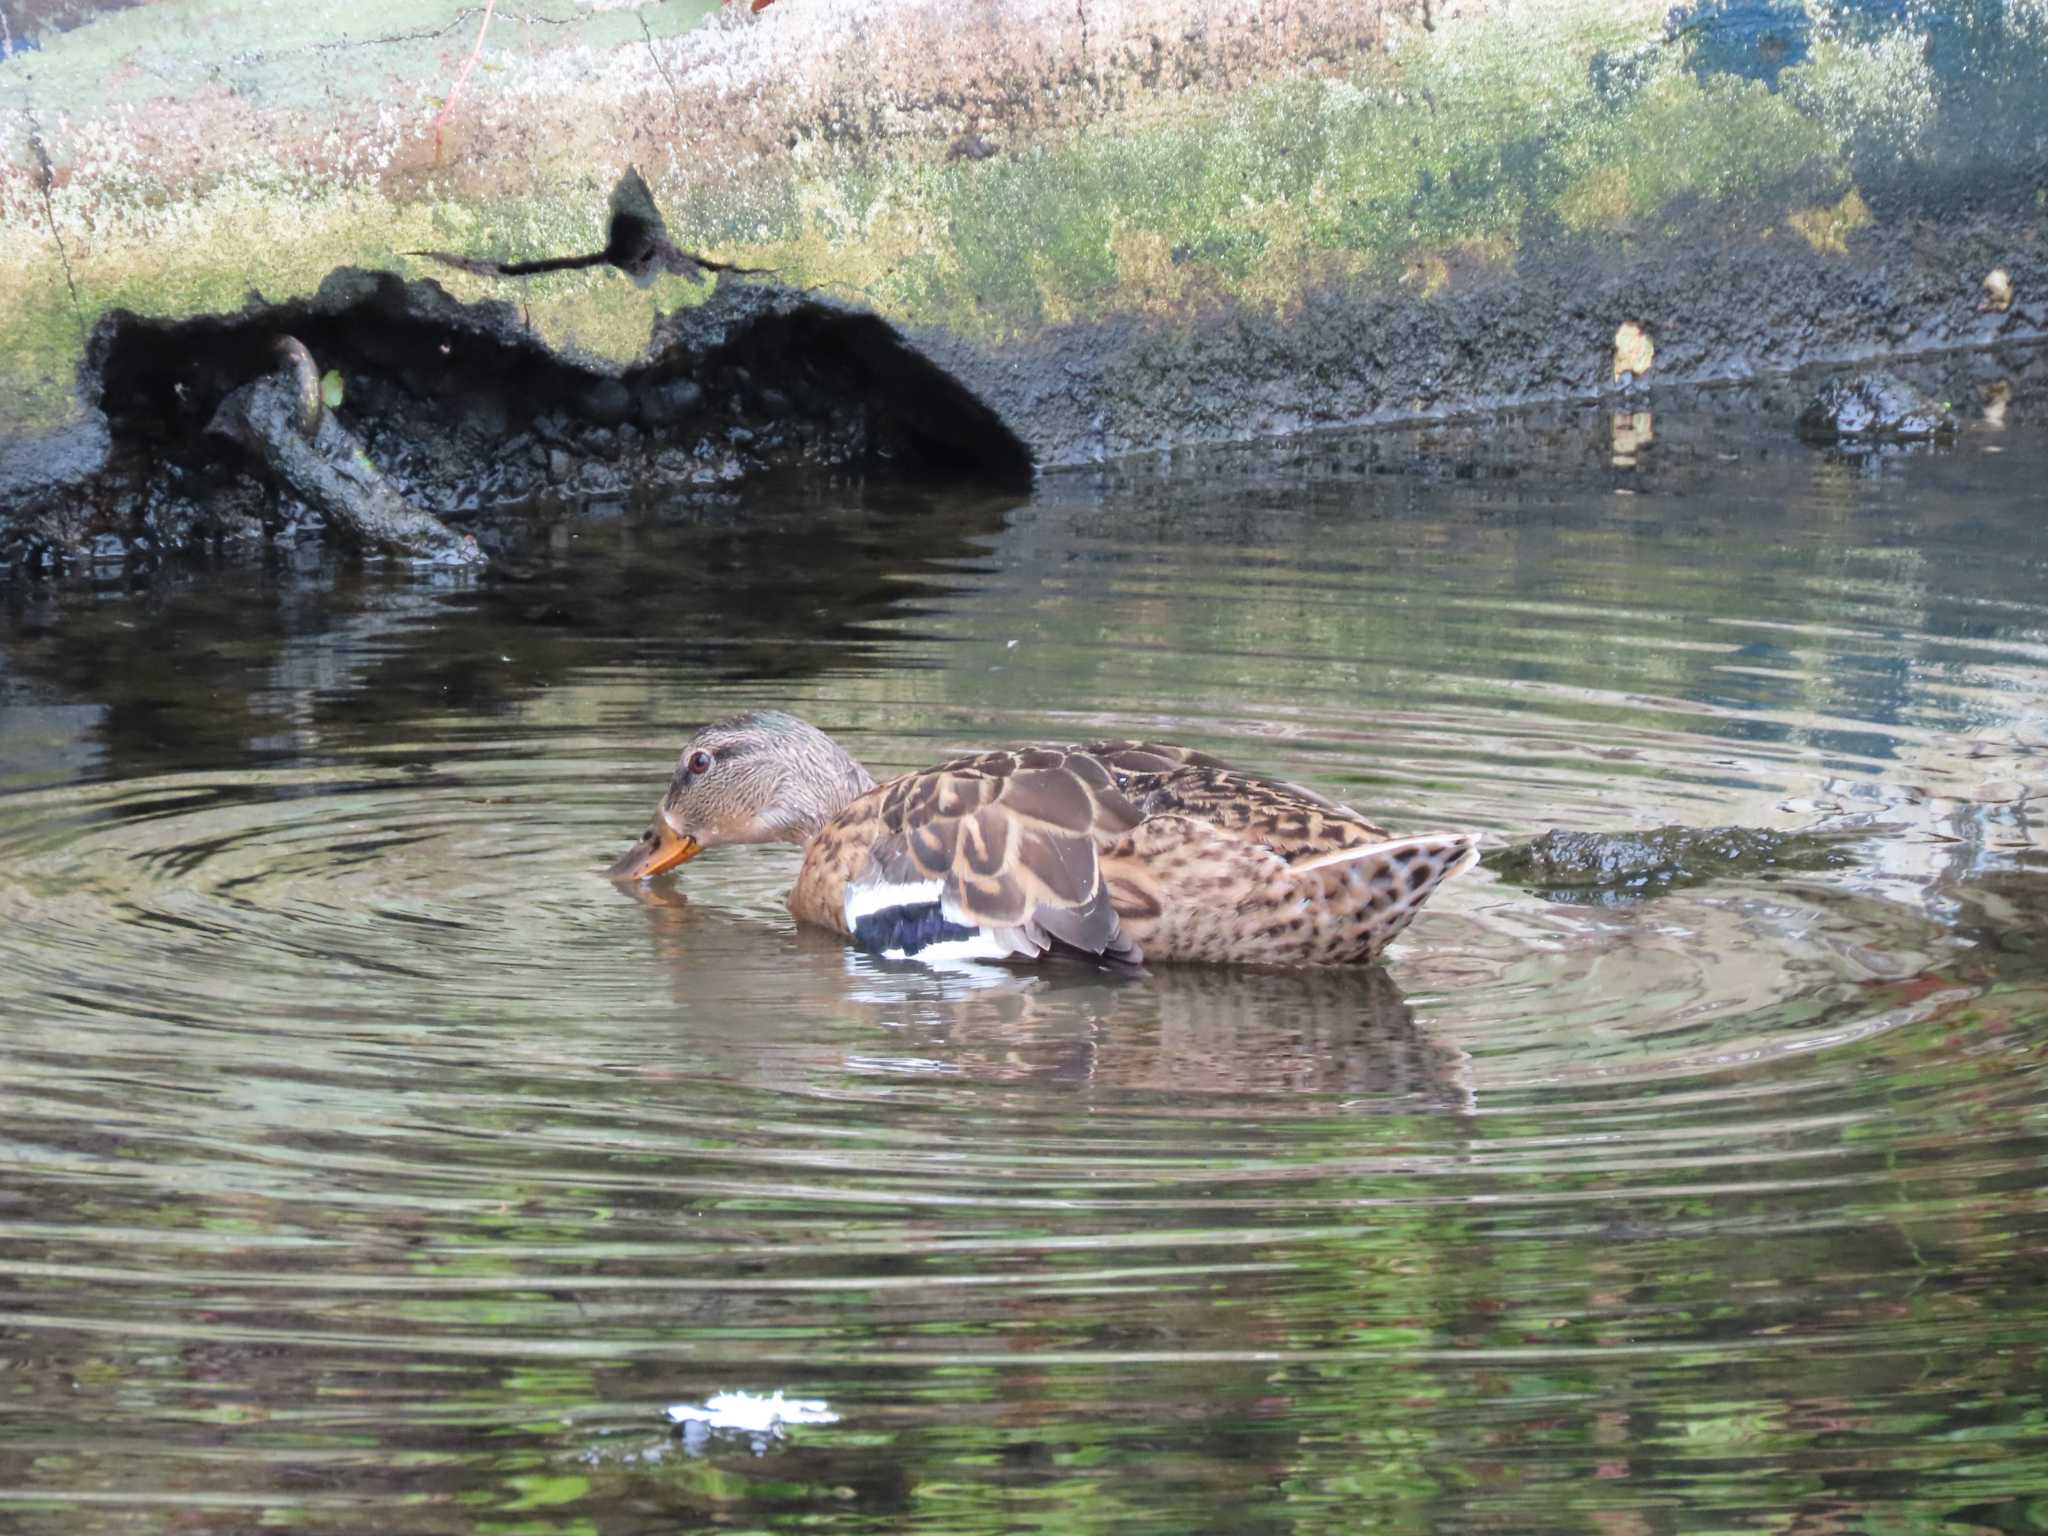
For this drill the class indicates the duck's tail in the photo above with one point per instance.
(1376, 889)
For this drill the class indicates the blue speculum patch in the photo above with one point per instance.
(908, 929)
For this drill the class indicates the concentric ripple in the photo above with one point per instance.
(373, 1163)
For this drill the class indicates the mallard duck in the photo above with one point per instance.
(1131, 851)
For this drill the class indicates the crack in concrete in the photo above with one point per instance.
(675, 95)
(418, 35)
(46, 179)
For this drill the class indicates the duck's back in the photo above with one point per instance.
(1126, 849)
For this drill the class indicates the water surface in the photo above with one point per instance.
(373, 1164)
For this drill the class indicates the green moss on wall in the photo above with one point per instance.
(1466, 143)
(1681, 143)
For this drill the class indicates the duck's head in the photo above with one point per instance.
(758, 777)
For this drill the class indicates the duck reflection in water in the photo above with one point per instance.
(1183, 1030)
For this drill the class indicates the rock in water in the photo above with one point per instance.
(1606, 868)
(1875, 407)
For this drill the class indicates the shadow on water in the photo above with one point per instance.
(205, 666)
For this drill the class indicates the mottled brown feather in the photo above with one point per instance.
(1133, 849)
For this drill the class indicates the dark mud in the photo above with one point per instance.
(1672, 440)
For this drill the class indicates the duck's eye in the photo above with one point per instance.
(700, 761)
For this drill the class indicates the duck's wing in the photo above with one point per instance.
(1231, 866)
(1290, 819)
(993, 857)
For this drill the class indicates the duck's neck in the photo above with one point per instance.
(830, 780)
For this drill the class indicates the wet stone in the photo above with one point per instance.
(1604, 868)
(661, 404)
(1874, 407)
(606, 402)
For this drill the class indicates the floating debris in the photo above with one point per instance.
(760, 1419)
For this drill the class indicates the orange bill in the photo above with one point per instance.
(660, 847)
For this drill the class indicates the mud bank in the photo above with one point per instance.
(1721, 311)
(474, 421)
